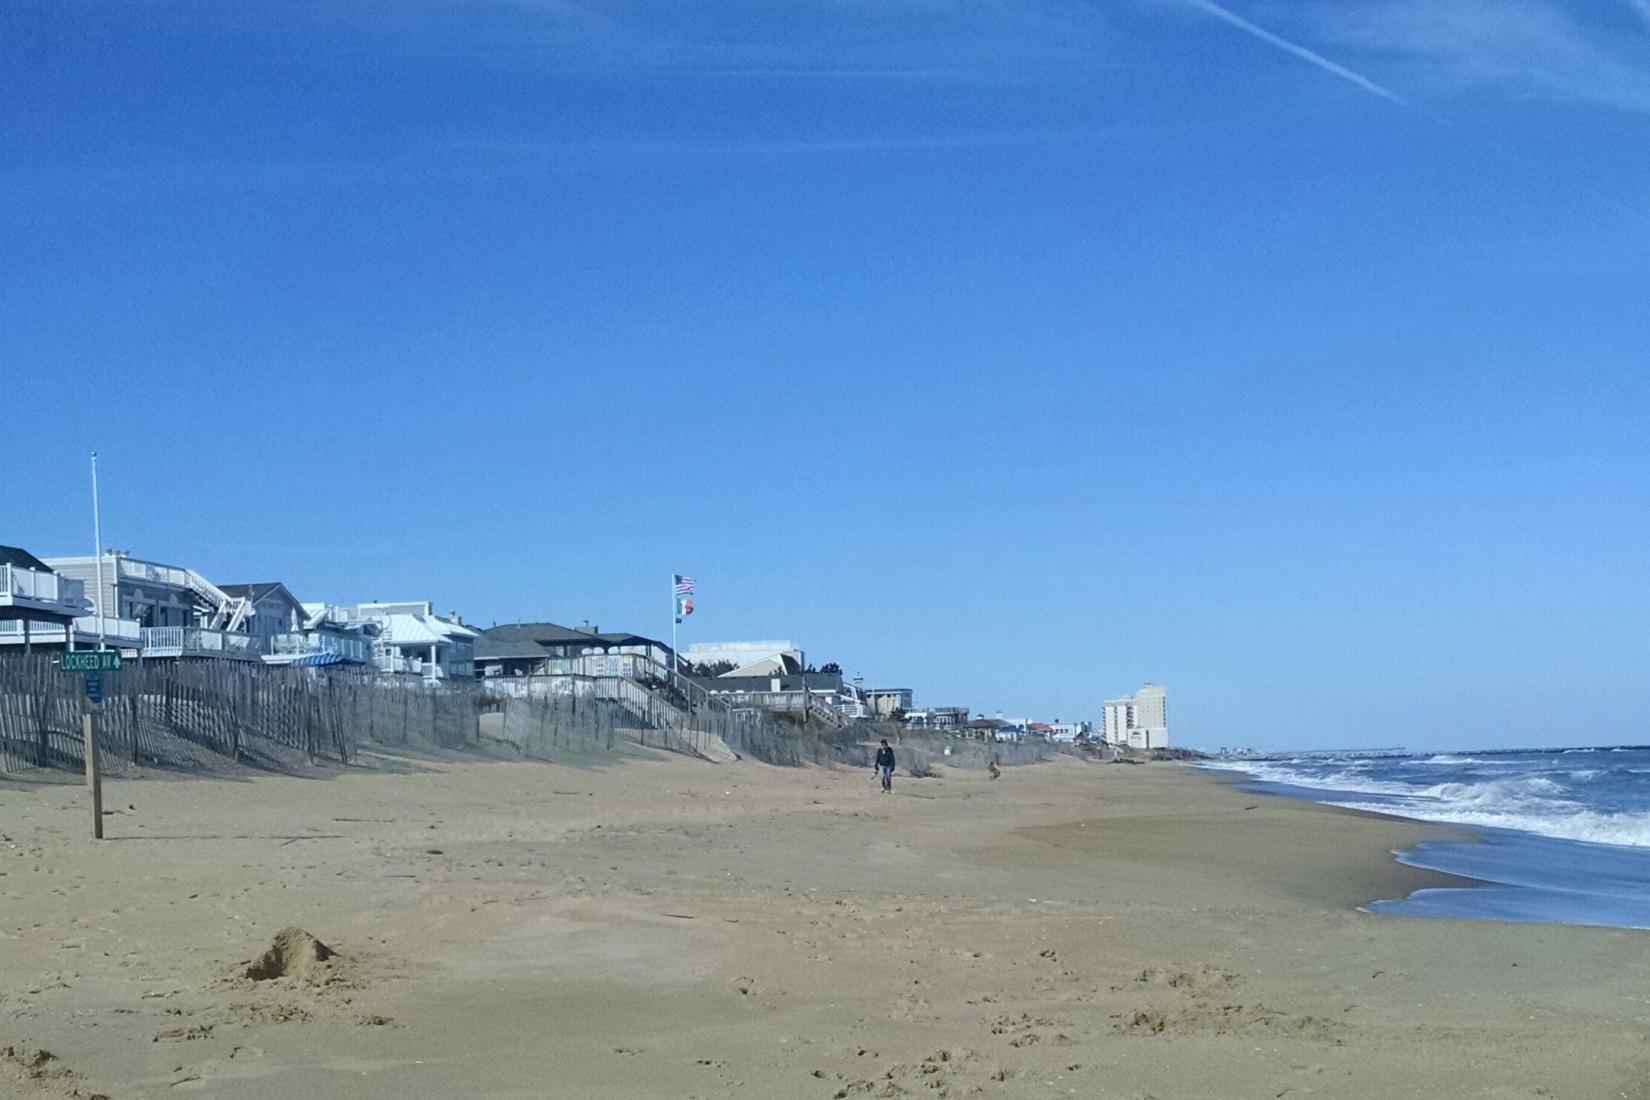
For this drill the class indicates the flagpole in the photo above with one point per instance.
(673, 621)
(97, 537)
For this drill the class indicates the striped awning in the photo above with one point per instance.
(321, 659)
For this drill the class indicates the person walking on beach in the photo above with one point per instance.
(885, 766)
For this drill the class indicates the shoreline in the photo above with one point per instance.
(634, 925)
(1410, 833)
(1423, 833)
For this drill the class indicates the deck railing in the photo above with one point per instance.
(33, 584)
(117, 631)
(351, 649)
(189, 641)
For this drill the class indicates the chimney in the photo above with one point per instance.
(452, 617)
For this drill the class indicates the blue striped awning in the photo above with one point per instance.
(321, 659)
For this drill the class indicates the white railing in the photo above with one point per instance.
(85, 630)
(389, 662)
(41, 587)
(190, 640)
(156, 574)
(351, 649)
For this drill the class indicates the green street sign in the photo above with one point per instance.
(90, 660)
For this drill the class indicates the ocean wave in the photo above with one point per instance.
(1521, 786)
(1344, 781)
(1628, 830)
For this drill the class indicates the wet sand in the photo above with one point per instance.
(646, 925)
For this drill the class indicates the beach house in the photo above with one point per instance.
(747, 658)
(275, 610)
(886, 702)
(321, 638)
(549, 649)
(37, 606)
(952, 718)
(823, 695)
(414, 641)
(162, 610)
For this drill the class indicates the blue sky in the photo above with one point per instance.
(1018, 351)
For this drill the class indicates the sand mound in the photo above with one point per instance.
(42, 1072)
(293, 954)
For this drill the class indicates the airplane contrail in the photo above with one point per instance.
(1322, 62)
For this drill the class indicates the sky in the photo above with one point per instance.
(1291, 355)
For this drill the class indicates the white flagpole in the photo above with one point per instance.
(97, 537)
(673, 621)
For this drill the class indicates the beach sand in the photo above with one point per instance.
(640, 925)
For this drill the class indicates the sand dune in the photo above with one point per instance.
(653, 926)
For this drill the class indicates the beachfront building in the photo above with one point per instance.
(885, 702)
(548, 649)
(319, 637)
(952, 718)
(162, 610)
(747, 658)
(275, 610)
(38, 607)
(414, 641)
(823, 695)
(1067, 733)
(1138, 721)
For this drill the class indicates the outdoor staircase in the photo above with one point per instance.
(227, 612)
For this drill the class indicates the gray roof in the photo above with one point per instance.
(16, 555)
(550, 634)
(256, 592)
(528, 640)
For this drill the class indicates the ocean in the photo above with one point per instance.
(1563, 835)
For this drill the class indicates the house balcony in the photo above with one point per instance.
(46, 598)
(286, 648)
(117, 633)
(199, 641)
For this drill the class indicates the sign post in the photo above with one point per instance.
(92, 664)
(94, 773)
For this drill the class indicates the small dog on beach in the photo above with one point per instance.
(996, 772)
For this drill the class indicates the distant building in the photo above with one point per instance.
(937, 717)
(322, 636)
(883, 702)
(1138, 721)
(1070, 732)
(747, 658)
(413, 640)
(824, 693)
(548, 649)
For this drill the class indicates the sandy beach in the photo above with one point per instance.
(646, 925)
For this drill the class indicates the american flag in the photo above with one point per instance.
(684, 585)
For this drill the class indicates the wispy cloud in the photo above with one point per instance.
(807, 39)
(1311, 57)
(530, 156)
(473, 162)
(1524, 48)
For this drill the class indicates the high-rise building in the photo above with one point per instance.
(1138, 721)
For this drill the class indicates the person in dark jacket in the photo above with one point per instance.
(885, 767)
